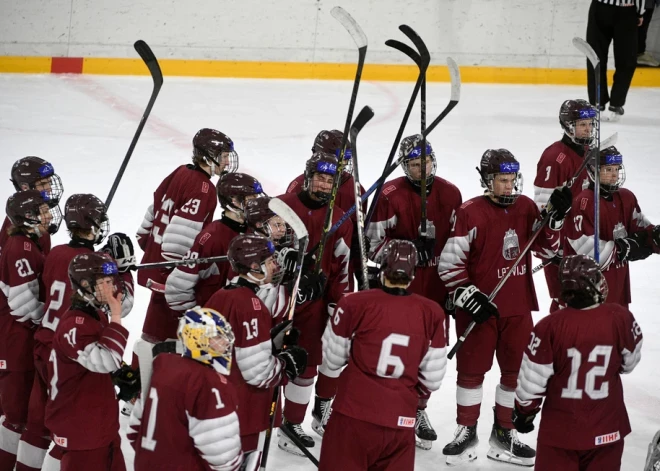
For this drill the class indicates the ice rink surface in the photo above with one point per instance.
(84, 124)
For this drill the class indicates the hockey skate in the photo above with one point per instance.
(505, 447)
(321, 414)
(653, 456)
(424, 433)
(463, 448)
(286, 444)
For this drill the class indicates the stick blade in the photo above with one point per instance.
(584, 47)
(407, 50)
(351, 26)
(418, 42)
(455, 76)
(610, 141)
(284, 211)
(363, 117)
(150, 60)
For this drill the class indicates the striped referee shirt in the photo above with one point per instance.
(639, 4)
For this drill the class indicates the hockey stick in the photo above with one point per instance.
(422, 59)
(285, 212)
(584, 47)
(178, 263)
(361, 41)
(545, 217)
(609, 142)
(454, 98)
(362, 118)
(154, 69)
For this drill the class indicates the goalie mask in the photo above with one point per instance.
(34, 173)
(87, 271)
(216, 150)
(29, 209)
(86, 212)
(500, 162)
(582, 282)
(612, 171)
(411, 151)
(330, 142)
(207, 337)
(262, 220)
(578, 120)
(250, 255)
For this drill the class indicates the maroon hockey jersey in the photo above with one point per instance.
(192, 285)
(21, 302)
(345, 195)
(189, 420)
(574, 359)
(44, 240)
(395, 348)
(183, 205)
(256, 371)
(557, 167)
(620, 216)
(398, 215)
(485, 241)
(82, 409)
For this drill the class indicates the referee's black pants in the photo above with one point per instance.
(607, 23)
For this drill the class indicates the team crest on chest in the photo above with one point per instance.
(511, 247)
(619, 231)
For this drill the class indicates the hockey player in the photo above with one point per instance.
(82, 410)
(21, 309)
(625, 233)
(189, 419)
(183, 205)
(558, 166)
(394, 344)
(398, 216)
(575, 358)
(192, 285)
(34, 173)
(310, 204)
(87, 222)
(486, 238)
(261, 363)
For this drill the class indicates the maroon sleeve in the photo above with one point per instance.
(536, 368)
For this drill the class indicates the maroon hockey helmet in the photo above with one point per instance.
(320, 162)
(572, 111)
(410, 148)
(262, 220)
(87, 213)
(240, 186)
(609, 157)
(29, 209)
(499, 161)
(215, 149)
(247, 249)
(34, 173)
(85, 269)
(330, 142)
(398, 261)
(582, 282)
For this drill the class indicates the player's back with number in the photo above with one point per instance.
(189, 405)
(391, 336)
(590, 348)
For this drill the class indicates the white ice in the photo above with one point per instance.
(84, 124)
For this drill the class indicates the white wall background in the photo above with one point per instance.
(524, 33)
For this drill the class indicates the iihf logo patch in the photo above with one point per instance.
(389, 190)
(608, 438)
(256, 304)
(292, 187)
(61, 441)
(27, 246)
(204, 238)
(408, 422)
(80, 320)
(561, 157)
(205, 187)
(3, 364)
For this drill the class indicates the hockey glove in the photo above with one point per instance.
(524, 423)
(295, 361)
(311, 287)
(284, 335)
(560, 204)
(655, 235)
(425, 247)
(287, 258)
(633, 248)
(128, 381)
(120, 247)
(476, 303)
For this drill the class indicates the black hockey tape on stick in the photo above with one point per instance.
(150, 60)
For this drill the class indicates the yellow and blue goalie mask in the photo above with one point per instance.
(207, 337)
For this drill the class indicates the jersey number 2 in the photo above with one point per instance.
(571, 390)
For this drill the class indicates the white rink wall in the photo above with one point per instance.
(512, 33)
